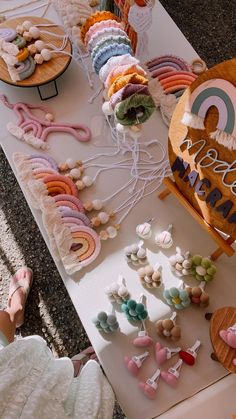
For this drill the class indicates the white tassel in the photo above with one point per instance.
(193, 121)
(227, 140)
(37, 143)
(15, 130)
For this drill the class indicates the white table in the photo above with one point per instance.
(86, 288)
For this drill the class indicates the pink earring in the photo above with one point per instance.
(163, 353)
(229, 336)
(189, 356)
(143, 340)
(172, 375)
(133, 364)
(149, 388)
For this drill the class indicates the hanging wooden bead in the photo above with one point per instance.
(110, 232)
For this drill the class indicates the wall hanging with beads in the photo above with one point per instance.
(125, 80)
(202, 153)
(57, 189)
(33, 52)
(171, 75)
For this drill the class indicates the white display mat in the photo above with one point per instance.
(86, 288)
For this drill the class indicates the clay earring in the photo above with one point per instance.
(117, 292)
(149, 388)
(189, 356)
(172, 375)
(144, 230)
(167, 328)
(229, 336)
(106, 322)
(135, 311)
(163, 353)
(135, 254)
(134, 364)
(150, 277)
(164, 239)
(143, 340)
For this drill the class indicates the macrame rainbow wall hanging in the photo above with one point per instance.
(221, 94)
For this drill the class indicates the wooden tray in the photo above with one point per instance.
(47, 71)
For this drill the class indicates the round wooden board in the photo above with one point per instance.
(47, 71)
(222, 319)
(178, 132)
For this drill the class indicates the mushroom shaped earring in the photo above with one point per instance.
(164, 239)
(134, 364)
(143, 340)
(189, 356)
(172, 375)
(149, 388)
(163, 353)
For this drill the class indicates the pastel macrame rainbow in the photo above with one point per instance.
(222, 95)
(72, 238)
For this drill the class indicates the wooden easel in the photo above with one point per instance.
(224, 246)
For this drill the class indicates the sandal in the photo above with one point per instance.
(80, 359)
(22, 278)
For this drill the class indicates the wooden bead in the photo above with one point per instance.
(104, 235)
(63, 167)
(32, 49)
(95, 221)
(88, 206)
(80, 185)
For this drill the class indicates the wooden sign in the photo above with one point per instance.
(202, 146)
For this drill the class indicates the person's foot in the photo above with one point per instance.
(20, 284)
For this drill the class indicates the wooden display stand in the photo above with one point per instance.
(222, 319)
(224, 245)
(48, 71)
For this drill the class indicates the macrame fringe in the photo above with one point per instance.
(166, 103)
(29, 138)
(193, 121)
(38, 190)
(227, 140)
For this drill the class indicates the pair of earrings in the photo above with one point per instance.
(162, 239)
(162, 354)
(167, 328)
(150, 277)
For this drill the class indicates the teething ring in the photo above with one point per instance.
(22, 54)
(198, 66)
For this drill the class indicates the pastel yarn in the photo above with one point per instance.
(70, 201)
(106, 323)
(136, 109)
(112, 40)
(89, 244)
(8, 34)
(94, 18)
(202, 268)
(127, 91)
(134, 311)
(99, 26)
(121, 81)
(174, 62)
(107, 52)
(177, 298)
(19, 41)
(123, 70)
(23, 69)
(59, 184)
(104, 33)
(69, 213)
(115, 61)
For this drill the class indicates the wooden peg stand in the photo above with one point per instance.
(224, 245)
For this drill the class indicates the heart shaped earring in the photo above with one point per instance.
(172, 375)
(189, 356)
(134, 364)
(229, 336)
(149, 388)
(163, 353)
(143, 340)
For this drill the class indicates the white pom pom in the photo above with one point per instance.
(71, 163)
(107, 109)
(103, 217)
(39, 45)
(97, 204)
(27, 25)
(49, 117)
(88, 181)
(112, 232)
(46, 54)
(34, 32)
